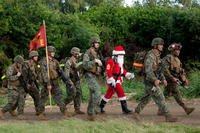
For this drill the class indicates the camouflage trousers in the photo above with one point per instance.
(172, 90)
(156, 95)
(56, 93)
(74, 94)
(13, 99)
(35, 94)
(95, 92)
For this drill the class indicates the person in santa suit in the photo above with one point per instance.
(115, 73)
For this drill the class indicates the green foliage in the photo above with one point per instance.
(193, 90)
(4, 61)
(135, 87)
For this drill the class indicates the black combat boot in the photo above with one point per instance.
(124, 107)
(188, 110)
(102, 105)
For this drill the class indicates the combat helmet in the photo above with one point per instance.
(51, 49)
(94, 40)
(157, 41)
(175, 46)
(19, 59)
(75, 50)
(32, 54)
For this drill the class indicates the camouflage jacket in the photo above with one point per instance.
(29, 71)
(152, 66)
(54, 70)
(89, 63)
(11, 75)
(71, 71)
(173, 67)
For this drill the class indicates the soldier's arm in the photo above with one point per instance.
(10, 75)
(67, 71)
(44, 72)
(183, 75)
(61, 73)
(148, 68)
(87, 63)
(166, 68)
(25, 73)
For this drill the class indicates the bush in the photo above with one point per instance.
(193, 90)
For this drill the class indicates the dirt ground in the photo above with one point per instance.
(113, 111)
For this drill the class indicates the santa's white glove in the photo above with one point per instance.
(129, 75)
(111, 81)
(98, 62)
(154, 89)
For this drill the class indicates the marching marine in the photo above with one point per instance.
(13, 74)
(31, 82)
(92, 66)
(153, 77)
(73, 87)
(175, 75)
(51, 83)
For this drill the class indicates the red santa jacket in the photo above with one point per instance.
(113, 69)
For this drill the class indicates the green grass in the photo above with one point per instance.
(80, 126)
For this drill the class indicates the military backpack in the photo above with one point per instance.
(138, 62)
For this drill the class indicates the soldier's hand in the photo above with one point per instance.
(174, 80)
(72, 84)
(19, 74)
(153, 88)
(98, 62)
(49, 87)
(165, 82)
(186, 82)
(157, 82)
(28, 86)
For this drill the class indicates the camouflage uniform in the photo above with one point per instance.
(54, 73)
(14, 87)
(54, 76)
(73, 87)
(92, 71)
(30, 77)
(153, 72)
(173, 69)
(152, 63)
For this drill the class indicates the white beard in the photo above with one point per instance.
(120, 61)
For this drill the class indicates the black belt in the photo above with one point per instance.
(118, 75)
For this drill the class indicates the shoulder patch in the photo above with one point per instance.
(108, 67)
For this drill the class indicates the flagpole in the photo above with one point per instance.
(48, 75)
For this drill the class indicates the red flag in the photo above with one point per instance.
(39, 40)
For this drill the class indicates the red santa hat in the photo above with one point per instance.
(118, 50)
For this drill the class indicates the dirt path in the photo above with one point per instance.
(113, 111)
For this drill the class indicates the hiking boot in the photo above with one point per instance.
(188, 110)
(78, 111)
(160, 113)
(41, 116)
(102, 105)
(170, 118)
(91, 117)
(13, 113)
(125, 110)
(21, 117)
(37, 113)
(1, 114)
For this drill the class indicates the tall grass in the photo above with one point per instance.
(79, 126)
(193, 90)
